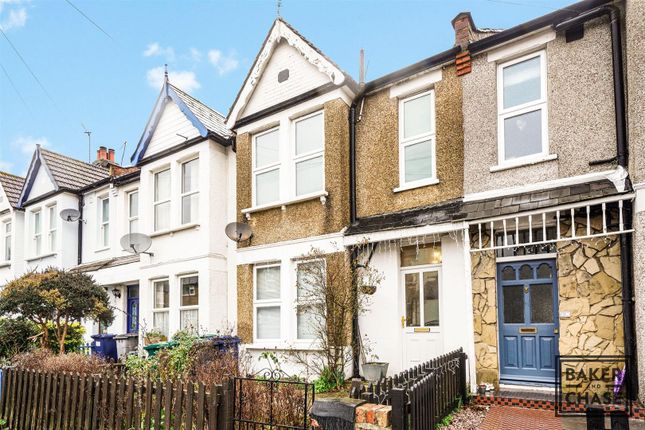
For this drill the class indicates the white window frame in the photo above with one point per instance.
(189, 307)
(188, 193)
(267, 168)
(156, 310)
(37, 236)
(103, 242)
(6, 240)
(52, 224)
(295, 159)
(129, 216)
(405, 142)
(420, 270)
(266, 303)
(304, 302)
(540, 104)
(156, 203)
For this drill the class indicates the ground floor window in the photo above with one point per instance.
(267, 302)
(189, 310)
(161, 305)
(310, 279)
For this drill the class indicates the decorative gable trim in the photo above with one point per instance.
(167, 94)
(279, 32)
(37, 161)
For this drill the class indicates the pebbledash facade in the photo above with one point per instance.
(458, 177)
(176, 193)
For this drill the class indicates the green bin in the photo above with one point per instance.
(154, 348)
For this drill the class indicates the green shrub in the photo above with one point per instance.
(329, 380)
(73, 341)
(16, 336)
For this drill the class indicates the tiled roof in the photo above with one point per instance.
(212, 120)
(93, 266)
(426, 215)
(12, 186)
(71, 173)
(513, 204)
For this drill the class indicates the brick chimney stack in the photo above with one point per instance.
(464, 34)
(101, 153)
(111, 155)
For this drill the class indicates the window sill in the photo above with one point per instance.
(282, 346)
(172, 231)
(525, 162)
(322, 195)
(5, 264)
(413, 185)
(102, 249)
(40, 257)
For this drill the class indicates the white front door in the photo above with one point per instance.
(421, 314)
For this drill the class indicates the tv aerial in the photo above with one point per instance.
(136, 243)
(71, 215)
(238, 231)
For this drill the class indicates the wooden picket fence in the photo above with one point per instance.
(64, 401)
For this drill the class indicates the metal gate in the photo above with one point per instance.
(272, 400)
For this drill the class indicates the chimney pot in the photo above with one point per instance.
(101, 153)
(111, 154)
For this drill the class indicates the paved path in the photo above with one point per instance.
(510, 418)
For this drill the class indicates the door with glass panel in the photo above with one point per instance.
(528, 320)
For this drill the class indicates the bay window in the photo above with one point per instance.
(160, 306)
(104, 221)
(133, 211)
(36, 233)
(161, 200)
(522, 108)
(266, 167)
(6, 229)
(309, 154)
(189, 191)
(53, 219)
(189, 306)
(417, 162)
(267, 302)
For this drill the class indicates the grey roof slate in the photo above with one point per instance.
(212, 120)
(12, 186)
(71, 173)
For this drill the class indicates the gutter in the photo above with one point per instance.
(622, 156)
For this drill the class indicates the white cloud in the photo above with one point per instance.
(156, 50)
(195, 55)
(183, 79)
(223, 63)
(27, 144)
(16, 18)
(5, 166)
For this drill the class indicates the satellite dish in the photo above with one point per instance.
(238, 231)
(136, 243)
(70, 215)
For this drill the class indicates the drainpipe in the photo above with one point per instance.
(80, 230)
(622, 156)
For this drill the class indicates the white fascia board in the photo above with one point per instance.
(416, 84)
(381, 236)
(574, 180)
(521, 46)
(303, 108)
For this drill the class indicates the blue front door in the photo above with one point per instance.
(133, 309)
(528, 320)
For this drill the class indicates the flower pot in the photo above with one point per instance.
(375, 371)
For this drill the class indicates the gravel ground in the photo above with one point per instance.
(468, 418)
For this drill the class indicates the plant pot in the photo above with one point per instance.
(375, 371)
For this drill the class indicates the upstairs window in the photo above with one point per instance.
(6, 229)
(51, 213)
(161, 201)
(104, 221)
(133, 212)
(189, 191)
(37, 233)
(522, 108)
(308, 157)
(417, 139)
(266, 167)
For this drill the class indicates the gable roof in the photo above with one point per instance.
(207, 121)
(12, 186)
(280, 31)
(66, 173)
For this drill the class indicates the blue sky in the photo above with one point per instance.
(109, 84)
